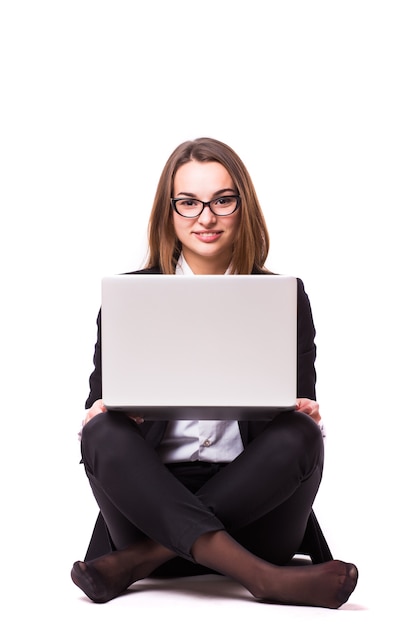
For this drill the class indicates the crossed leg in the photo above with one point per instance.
(192, 528)
(327, 585)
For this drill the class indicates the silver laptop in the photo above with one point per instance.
(199, 347)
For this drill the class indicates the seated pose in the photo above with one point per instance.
(242, 507)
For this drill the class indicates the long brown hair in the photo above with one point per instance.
(252, 241)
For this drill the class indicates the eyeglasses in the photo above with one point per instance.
(189, 207)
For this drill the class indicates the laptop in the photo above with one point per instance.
(199, 347)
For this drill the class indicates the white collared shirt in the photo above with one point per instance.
(213, 441)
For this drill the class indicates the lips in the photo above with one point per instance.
(207, 235)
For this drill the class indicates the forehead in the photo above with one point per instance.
(198, 178)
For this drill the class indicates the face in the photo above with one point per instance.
(207, 240)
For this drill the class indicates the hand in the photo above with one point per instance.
(309, 407)
(95, 409)
(99, 407)
(136, 418)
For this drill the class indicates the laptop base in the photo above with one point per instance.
(226, 413)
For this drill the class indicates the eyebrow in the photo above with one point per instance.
(216, 194)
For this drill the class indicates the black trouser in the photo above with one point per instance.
(263, 498)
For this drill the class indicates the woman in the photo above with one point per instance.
(243, 507)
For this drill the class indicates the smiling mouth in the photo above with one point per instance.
(207, 233)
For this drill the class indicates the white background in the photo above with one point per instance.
(319, 99)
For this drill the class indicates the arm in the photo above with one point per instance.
(94, 403)
(306, 371)
(95, 378)
(306, 347)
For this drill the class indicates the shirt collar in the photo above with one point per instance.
(184, 269)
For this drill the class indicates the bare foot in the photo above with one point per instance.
(327, 585)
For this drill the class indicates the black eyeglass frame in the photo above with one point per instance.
(175, 200)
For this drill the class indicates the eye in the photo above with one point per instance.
(224, 201)
(187, 202)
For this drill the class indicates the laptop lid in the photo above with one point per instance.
(199, 347)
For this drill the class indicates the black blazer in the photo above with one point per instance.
(314, 543)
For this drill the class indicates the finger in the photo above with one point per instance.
(136, 418)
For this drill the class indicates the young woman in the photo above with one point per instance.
(242, 507)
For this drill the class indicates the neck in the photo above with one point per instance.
(201, 265)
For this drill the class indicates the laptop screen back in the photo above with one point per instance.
(199, 347)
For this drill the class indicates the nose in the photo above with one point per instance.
(207, 217)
